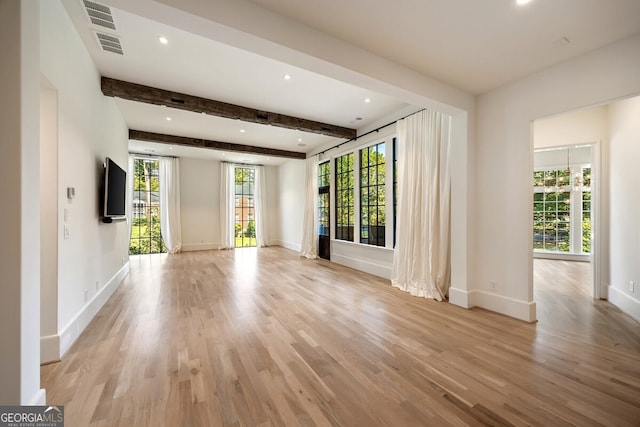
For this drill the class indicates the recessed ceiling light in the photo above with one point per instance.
(170, 147)
(287, 77)
(299, 139)
(522, 2)
(163, 40)
(367, 100)
(168, 119)
(242, 131)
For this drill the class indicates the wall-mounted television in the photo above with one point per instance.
(115, 191)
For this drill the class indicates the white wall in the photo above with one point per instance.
(20, 221)
(273, 204)
(584, 126)
(624, 120)
(200, 203)
(50, 344)
(503, 161)
(291, 190)
(94, 259)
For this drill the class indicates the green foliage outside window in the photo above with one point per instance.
(146, 237)
(372, 195)
(345, 206)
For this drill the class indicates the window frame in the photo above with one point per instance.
(371, 190)
(342, 169)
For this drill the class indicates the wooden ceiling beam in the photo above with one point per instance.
(151, 95)
(139, 135)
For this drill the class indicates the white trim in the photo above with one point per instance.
(191, 247)
(625, 302)
(38, 399)
(74, 328)
(288, 245)
(522, 310)
(363, 265)
(49, 349)
(565, 256)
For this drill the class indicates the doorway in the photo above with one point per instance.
(245, 225)
(146, 237)
(565, 183)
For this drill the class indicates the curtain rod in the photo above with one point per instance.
(241, 164)
(152, 156)
(370, 132)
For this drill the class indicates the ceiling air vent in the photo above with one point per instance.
(99, 14)
(110, 43)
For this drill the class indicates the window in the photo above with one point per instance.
(323, 199)
(372, 195)
(586, 210)
(344, 197)
(245, 228)
(561, 209)
(145, 226)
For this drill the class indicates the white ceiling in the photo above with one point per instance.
(475, 45)
(470, 44)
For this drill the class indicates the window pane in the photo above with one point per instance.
(344, 196)
(372, 190)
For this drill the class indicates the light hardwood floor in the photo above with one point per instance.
(264, 338)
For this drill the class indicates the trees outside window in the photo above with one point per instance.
(145, 228)
(372, 195)
(345, 204)
(562, 210)
(245, 229)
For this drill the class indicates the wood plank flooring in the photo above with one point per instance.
(265, 338)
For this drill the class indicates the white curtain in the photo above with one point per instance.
(309, 245)
(227, 205)
(170, 222)
(262, 238)
(422, 258)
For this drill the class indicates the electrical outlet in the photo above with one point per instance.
(66, 232)
(494, 286)
(86, 295)
(97, 285)
(632, 286)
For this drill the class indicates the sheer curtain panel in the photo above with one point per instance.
(309, 245)
(422, 258)
(227, 205)
(262, 238)
(170, 222)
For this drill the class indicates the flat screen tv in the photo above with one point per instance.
(115, 191)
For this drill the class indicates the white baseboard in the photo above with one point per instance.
(511, 307)
(287, 245)
(74, 328)
(38, 399)
(625, 302)
(191, 247)
(49, 349)
(362, 265)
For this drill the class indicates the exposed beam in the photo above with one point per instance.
(139, 135)
(151, 95)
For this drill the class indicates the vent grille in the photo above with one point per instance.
(99, 14)
(110, 43)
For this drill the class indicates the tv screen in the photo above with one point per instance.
(115, 190)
